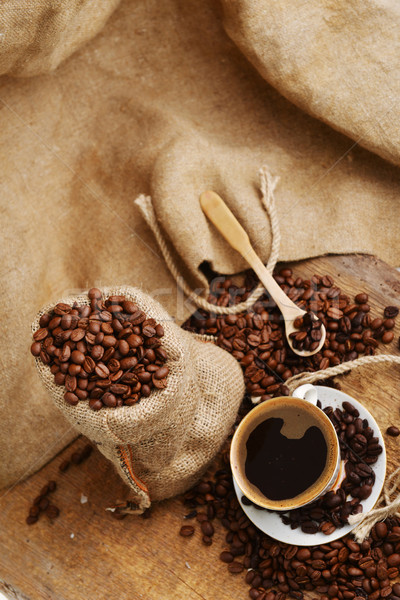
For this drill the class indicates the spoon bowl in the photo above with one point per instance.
(290, 328)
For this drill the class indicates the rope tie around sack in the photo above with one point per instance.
(267, 187)
(363, 521)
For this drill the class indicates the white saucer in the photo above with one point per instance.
(270, 522)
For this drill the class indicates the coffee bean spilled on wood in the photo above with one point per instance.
(108, 353)
(257, 338)
(42, 504)
(342, 569)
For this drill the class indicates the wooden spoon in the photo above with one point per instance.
(220, 215)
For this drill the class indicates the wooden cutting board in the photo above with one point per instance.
(85, 554)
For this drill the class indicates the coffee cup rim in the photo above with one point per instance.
(236, 443)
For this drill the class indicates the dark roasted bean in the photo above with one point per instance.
(393, 431)
(95, 344)
(186, 530)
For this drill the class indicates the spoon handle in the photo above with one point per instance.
(229, 227)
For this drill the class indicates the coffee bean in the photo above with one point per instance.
(64, 465)
(387, 337)
(332, 500)
(396, 589)
(235, 567)
(101, 370)
(393, 560)
(129, 307)
(109, 400)
(393, 431)
(77, 334)
(161, 373)
(159, 384)
(361, 298)
(43, 504)
(70, 383)
(327, 528)
(77, 357)
(95, 404)
(391, 312)
(89, 364)
(52, 485)
(71, 398)
(128, 363)
(207, 528)
(334, 313)
(31, 520)
(186, 530)
(36, 348)
(389, 323)
(109, 341)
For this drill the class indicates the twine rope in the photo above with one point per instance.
(302, 378)
(365, 522)
(267, 187)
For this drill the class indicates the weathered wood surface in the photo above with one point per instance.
(85, 554)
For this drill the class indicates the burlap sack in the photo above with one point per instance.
(148, 107)
(36, 36)
(161, 445)
(339, 61)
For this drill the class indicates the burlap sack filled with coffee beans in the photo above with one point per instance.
(161, 445)
(147, 107)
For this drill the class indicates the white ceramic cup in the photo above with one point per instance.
(303, 403)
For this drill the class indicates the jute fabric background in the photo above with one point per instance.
(161, 102)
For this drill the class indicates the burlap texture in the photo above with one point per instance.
(35, 36)
(339, 61)
(160, 102)
(162, 444)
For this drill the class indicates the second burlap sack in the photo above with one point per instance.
(161, 445)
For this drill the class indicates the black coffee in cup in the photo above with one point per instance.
(281, 464)
(284, 453)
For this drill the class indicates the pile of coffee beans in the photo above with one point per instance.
(360, 449)
(341, 569)
(309, 332)
(257, 338)
(41, 505)
(108, 352)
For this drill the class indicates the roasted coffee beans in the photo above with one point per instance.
(360, 450)
(393, 431)
(42, 503)
(257, 338)
(308, 334)
(342, 569)
(107, 353)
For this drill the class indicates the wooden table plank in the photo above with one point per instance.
(86, 554)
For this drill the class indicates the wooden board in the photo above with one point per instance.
(85, 554)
